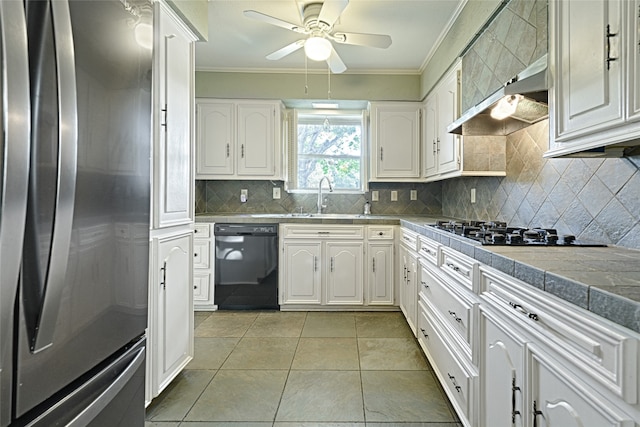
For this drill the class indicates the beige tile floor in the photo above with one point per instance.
(303, 369)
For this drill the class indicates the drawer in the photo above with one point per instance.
(201, 286)
(590, 345)
(201, 253)
(409, 239)
(375, 232)
(323, 232)
(428, 250)
(453, 309)
(454, 374)
(462, 269)
(201, 231)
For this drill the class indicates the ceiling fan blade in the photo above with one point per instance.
(335, 63)
(287, 50)
(258, 16)
(331, 10)
(381, 41)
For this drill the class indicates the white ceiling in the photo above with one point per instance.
(237, 43)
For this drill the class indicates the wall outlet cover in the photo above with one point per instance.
(473, 195)
(244, 195)
(414, 194)
(374, 196)
(276, 192)
(394, 196)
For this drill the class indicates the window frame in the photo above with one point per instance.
(292, 141)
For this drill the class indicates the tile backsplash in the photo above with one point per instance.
(594, 199)
(222, 197)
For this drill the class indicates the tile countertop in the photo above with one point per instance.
(604, 280)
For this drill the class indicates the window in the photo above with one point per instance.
(328, 143)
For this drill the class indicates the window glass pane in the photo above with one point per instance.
(332, 146)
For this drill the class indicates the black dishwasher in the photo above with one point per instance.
(246, 266)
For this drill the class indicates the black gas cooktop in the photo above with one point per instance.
(500, 234)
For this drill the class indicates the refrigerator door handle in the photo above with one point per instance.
(67, 172)
(14, 169)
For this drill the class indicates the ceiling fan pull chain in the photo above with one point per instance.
(306, 79)
(328, 82)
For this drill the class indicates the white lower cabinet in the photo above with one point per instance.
(510, 355)
(302, 274)
(171, 308)
(203, 267)
(348, 266)
(408, 277)
(344, 272)
(380, 273)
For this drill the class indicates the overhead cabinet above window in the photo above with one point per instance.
(238, 139)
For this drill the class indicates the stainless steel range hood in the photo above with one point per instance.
(531, 83)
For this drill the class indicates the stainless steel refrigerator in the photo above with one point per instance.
(74, 218)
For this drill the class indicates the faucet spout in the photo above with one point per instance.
(320, 202)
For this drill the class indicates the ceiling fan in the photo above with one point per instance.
(317, 24)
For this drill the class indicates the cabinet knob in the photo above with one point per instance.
(381, 233)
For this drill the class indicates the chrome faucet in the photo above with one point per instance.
(320, 205)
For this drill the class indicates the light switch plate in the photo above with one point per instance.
(276, 192)
(374, 196)
(414, 194)
(394, 196)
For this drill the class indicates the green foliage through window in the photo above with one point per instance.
(331, 145)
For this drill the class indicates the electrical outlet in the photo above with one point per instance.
(394, 196)
(244, 195)
(374, 196)
(473, 195)
(414, 195)
(276, 192)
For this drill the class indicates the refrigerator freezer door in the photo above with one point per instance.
(14, 166)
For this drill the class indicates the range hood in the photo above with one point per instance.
(531, 83)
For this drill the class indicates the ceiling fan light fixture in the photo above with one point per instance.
(317, 48)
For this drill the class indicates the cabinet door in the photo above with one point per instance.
(588, 88)
(634, 61)
(409, 287)
(256, 139)
(448, 144)
(557, 399)
(344, 278)
(302, 273)
(380, 272)
(173, 171)
(501, 373)
(216, 137)
(397, 141)
(174, 311)
(430, 142)
(201, 286)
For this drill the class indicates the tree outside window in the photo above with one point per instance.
(331, 145)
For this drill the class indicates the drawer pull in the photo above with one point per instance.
(455, 316)
(428, 251)
(522, 310)
(424, 283)
(453, 266)
(324, 232)
(455, 384)
(381, 233)
(424, 332)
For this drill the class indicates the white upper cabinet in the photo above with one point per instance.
(173, 146)
(441, 150)
(594, 96)
(238, 139)
(395, 141)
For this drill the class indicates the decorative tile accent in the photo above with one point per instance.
(515, 39)
(222, 197)
(594, 199)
